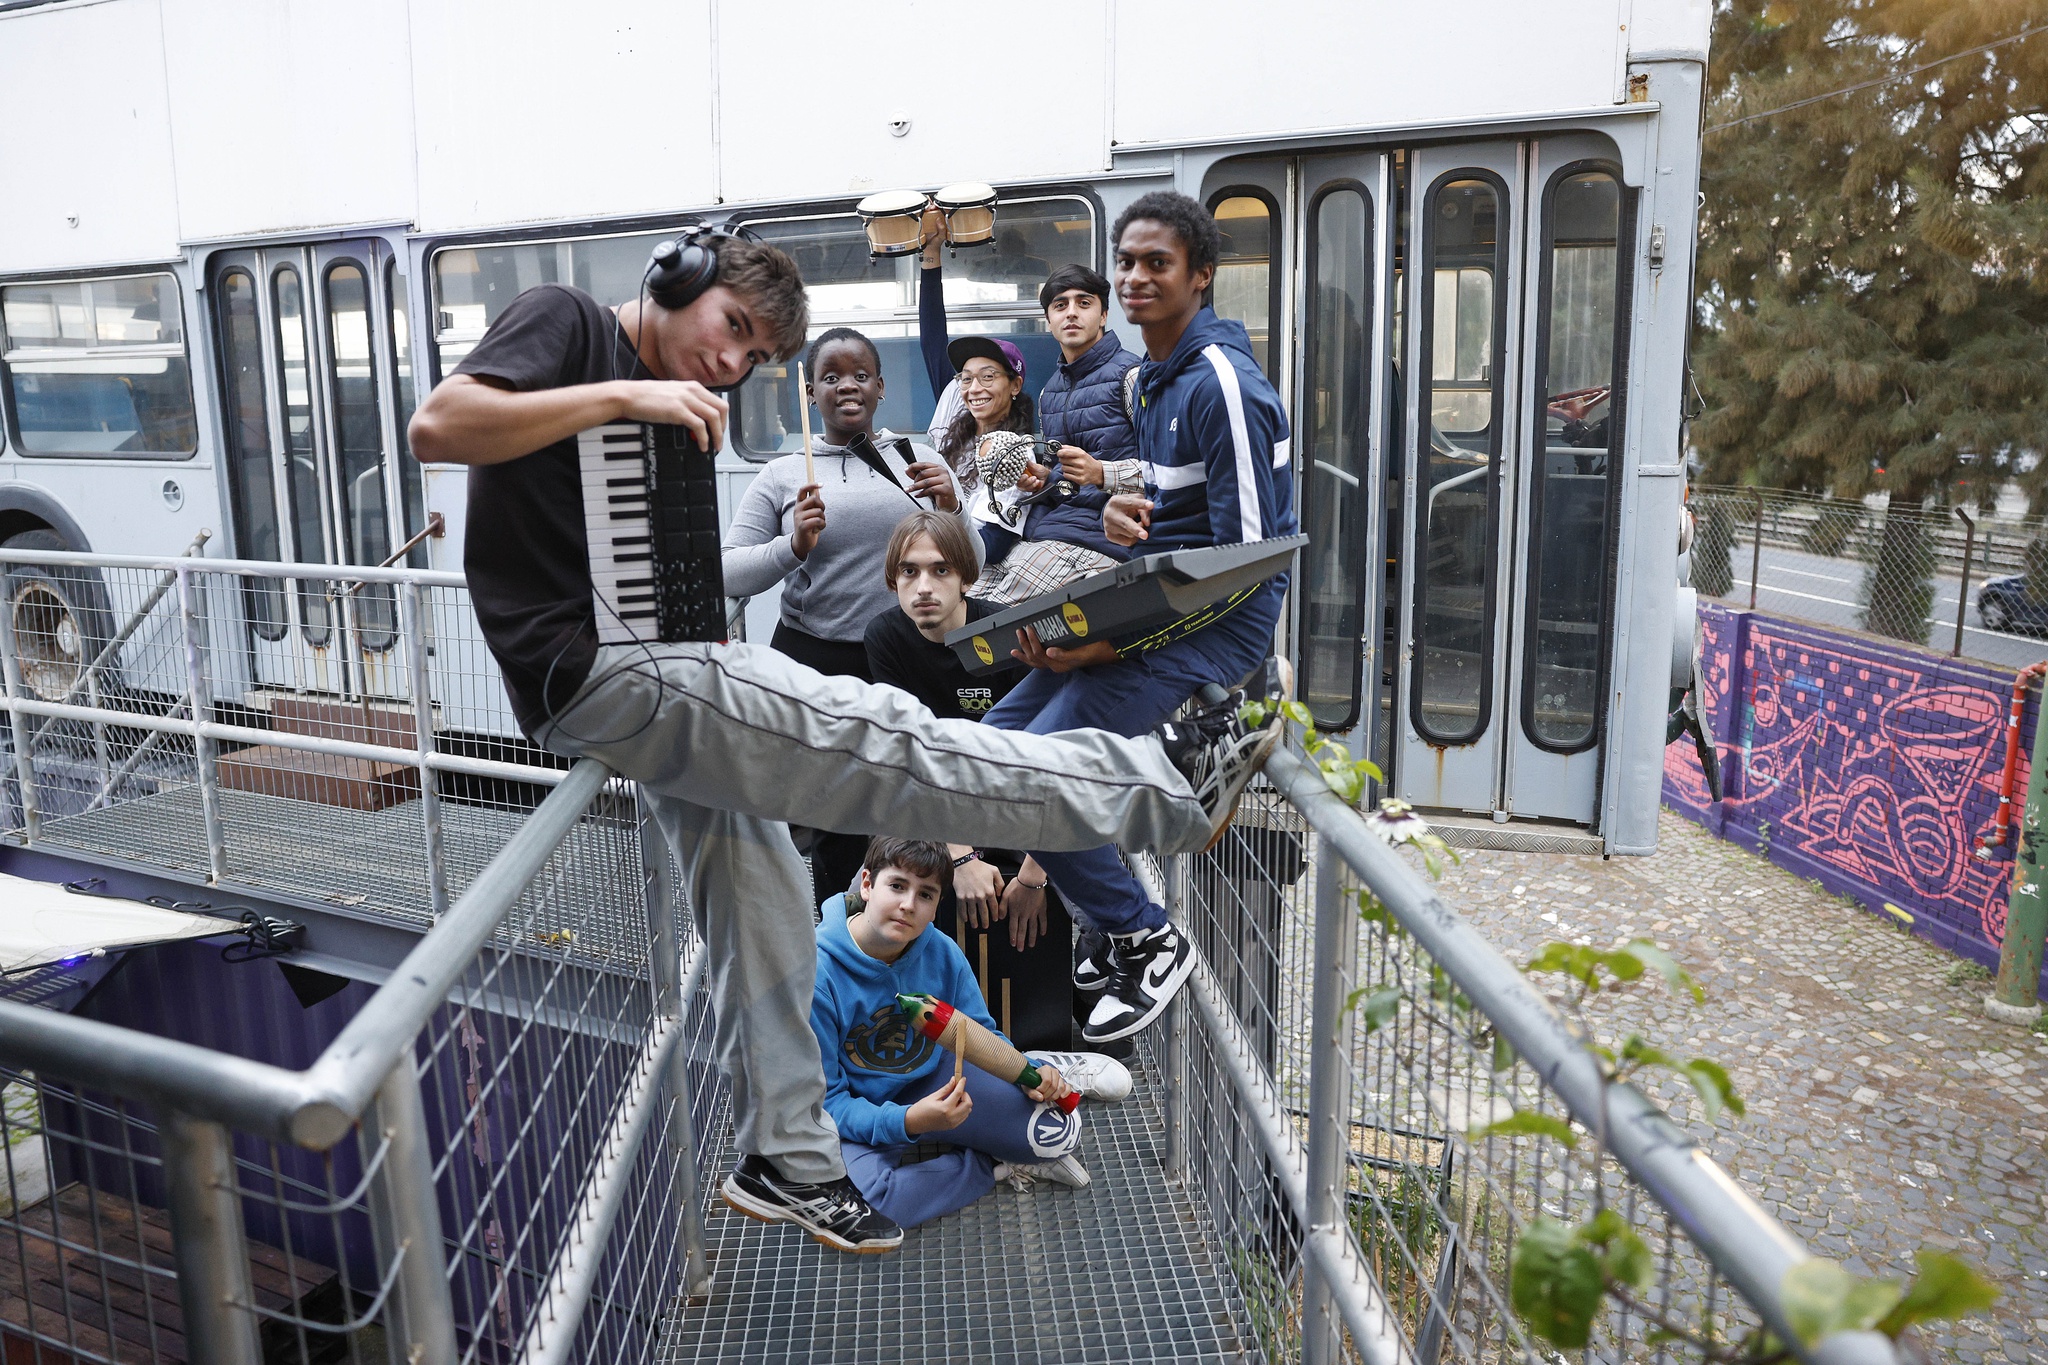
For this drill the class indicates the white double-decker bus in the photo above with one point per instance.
(237, 240)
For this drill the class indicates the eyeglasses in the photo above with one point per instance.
(981, 379)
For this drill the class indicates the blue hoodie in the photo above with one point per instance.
(871, 1056)
(1214, 438)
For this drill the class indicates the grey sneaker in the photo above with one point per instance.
(1065, 1170)
(1219, 753)
(834, 1213)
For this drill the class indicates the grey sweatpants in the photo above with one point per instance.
(729, 742)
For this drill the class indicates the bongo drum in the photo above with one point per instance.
(970, 209)
(892, 220)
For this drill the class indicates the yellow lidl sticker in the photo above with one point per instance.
(1076, 622)
(982, 651)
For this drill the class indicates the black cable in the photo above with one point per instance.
(263, 935)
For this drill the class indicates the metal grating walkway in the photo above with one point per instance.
(1117, 1272)
(311, 851)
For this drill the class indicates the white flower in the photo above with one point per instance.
(1396, 822)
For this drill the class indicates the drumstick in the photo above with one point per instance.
(803, 403)
(970, 1041)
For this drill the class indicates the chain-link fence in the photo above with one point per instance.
(1942, 578)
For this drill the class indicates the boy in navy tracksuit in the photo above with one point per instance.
(1214, 439)
(888, 1087)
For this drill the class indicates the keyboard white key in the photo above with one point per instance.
(616, 521)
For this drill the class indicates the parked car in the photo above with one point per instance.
(2005, 604)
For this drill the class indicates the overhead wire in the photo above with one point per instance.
(1880, 80)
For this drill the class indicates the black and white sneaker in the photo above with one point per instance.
(834, 1213)
(1147, 968)
(1219, 753)
(1091, 961)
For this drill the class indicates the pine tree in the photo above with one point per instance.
(1873, 268)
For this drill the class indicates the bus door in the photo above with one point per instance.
(317, 386)
(1303, 266)
(1511, 390)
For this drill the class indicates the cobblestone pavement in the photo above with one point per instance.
(1885, 1111)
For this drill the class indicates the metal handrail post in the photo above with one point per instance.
(672, 1000)
(415, 628)
(211, 1249)
(1176, 1061)
(1963, 593)
(1756, 548)
(405, 1220)
(1329, 1091)
(199, 698)
(18, 728)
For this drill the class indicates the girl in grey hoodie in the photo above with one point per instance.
(824, 542)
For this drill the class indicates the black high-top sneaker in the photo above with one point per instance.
(1147, 968)
(1091, 961)
(834, 1213)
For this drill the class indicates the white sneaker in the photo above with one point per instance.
(1094, 1075)
(1066, 1170)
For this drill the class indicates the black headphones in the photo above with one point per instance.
(683, 267)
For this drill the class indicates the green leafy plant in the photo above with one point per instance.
(1965, 972)
(1345, 775)
(1563, 1276)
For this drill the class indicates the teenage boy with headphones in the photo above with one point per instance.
(729, 741)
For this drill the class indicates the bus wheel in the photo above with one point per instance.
(60, 621)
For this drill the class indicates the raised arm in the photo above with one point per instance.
(931, 306)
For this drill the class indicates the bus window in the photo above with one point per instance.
(1334, 499)
(472, 285)
(301, 470)
(248, 431)
(359, 442)
(410, 481)
(1454, 606)
(1578, 413)
(988, 290)
(98, 367)
(1247, 287)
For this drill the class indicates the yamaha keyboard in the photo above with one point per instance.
(650, 510)
(1141, 594)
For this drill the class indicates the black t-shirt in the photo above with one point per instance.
(524, 550)
(901, 657)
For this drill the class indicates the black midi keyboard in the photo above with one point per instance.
(1139, 595)
(650, 511)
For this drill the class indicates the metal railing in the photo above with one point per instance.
(496, 1097)
(464, 1173)
(165, 704)
(1331, 1078)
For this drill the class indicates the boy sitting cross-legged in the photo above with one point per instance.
(889, 1088)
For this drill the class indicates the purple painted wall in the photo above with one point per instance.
(1866, 764)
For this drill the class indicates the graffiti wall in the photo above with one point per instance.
(1869, 766)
